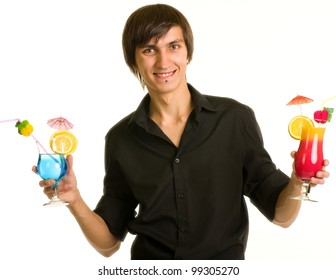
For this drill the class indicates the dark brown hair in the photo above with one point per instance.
(152, 21)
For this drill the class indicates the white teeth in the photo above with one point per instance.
(164, 74)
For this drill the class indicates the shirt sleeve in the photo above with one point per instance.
(263, 181)
(265, 196)
(117, 204)
(116, 213)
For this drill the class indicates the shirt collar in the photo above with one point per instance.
(200, 101)
(140, 115)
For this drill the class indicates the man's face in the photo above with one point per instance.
(162, 64)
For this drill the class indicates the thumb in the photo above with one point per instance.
(293, 154)
(69, 160)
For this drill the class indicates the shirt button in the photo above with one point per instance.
(177, 160)
(181, 196)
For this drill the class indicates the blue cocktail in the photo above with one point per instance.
(53, 166)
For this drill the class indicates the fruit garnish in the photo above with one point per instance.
(24, 128)
(321, 116)
(296, 125)
(63, 142)
(330, 112)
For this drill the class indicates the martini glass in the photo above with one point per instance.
(52, 166)
(309, 158)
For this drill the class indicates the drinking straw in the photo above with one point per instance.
(327, 100)
(26, 129)
(330, 110)
(18, 122)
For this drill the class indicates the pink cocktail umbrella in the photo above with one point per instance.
(60, 123)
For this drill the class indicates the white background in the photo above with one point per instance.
(64, 58)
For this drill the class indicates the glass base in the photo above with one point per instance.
(55, 201)
(303, 198)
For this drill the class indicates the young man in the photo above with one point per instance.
(186, 159)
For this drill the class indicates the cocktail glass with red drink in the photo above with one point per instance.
(309, 158)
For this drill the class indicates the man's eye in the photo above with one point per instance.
(148, 50)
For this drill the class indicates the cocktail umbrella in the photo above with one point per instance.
(60, 123)
(299, 100)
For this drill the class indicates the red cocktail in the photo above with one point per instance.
(309, 157)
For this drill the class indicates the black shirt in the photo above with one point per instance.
(191, 198)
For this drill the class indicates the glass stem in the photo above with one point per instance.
(306, 188)
(55, 192)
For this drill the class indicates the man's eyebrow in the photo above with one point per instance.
(147, 45)
(153, 45)
(176, 41)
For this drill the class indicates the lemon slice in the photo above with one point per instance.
(296, 125)
(63, 142)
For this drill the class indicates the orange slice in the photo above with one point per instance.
(63, 142)
(296, 125)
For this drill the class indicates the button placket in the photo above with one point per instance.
(181, 204)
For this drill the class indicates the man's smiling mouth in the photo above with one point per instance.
(164, 75)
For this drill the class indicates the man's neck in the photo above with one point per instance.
(170, 111)
(170, 105)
